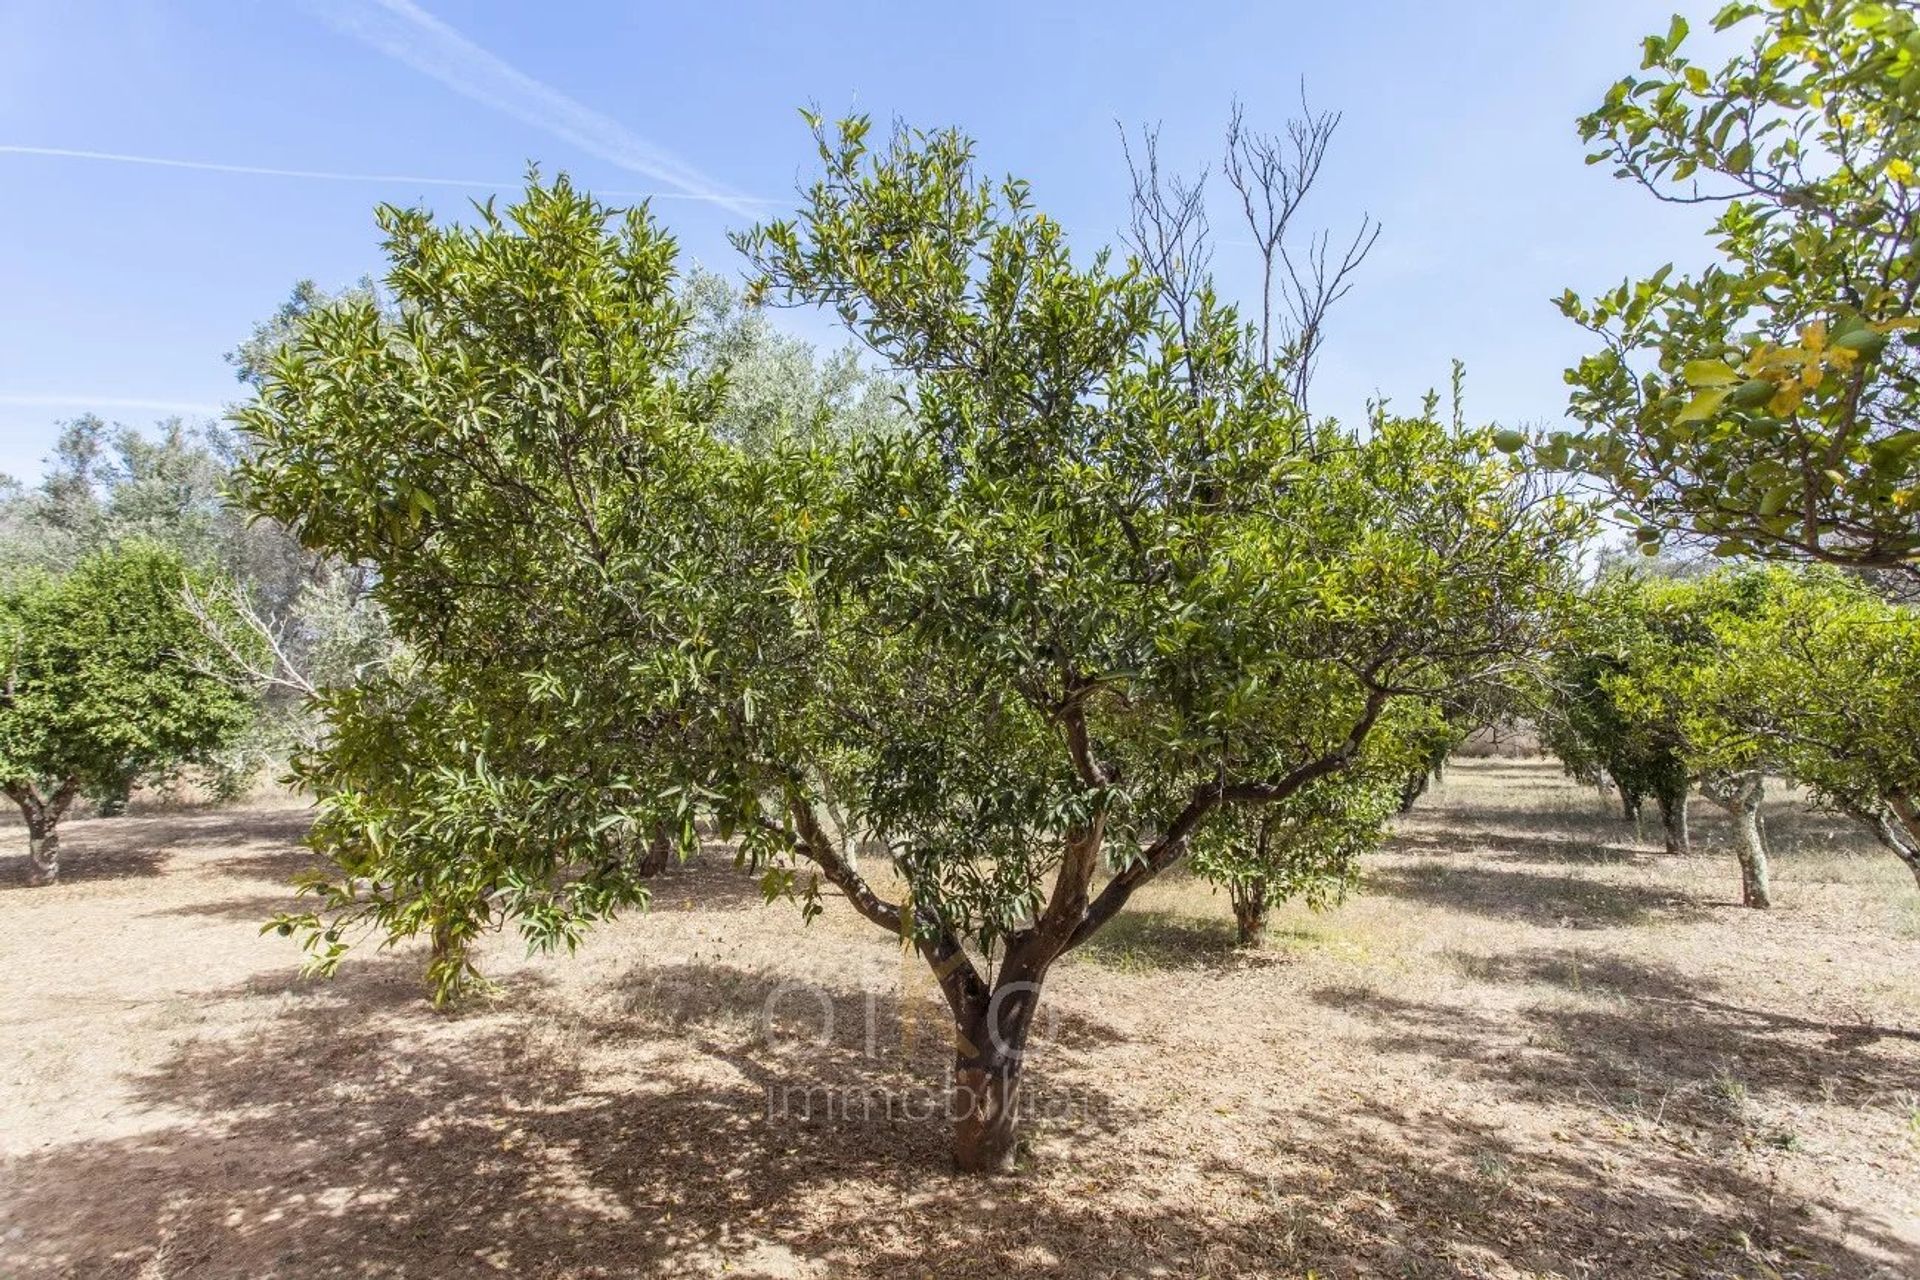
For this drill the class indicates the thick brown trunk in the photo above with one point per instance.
(43, 853)
(989, 1051)
(986, 1116)
(1250, 913)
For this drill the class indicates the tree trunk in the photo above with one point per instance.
(986, 1115)
(1250, 912)
(1903, 839)
(989, 1052)
(1673, 819)
(1411, 790)
(1756, 889)
(659, 851)
(1740, 795)
(43, 852)
(43, 814)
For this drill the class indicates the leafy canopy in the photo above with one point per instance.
(1767, 404)
(1826, 673)
(1640, 690)
(1102, 584)
(109, 677)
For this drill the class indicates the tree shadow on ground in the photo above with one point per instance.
(1510, 848)
(83, 863)
(138, 845)
(355, 1133)
(683, 1126)
(1143, 940)
(1378, 1192)
(1637, 1041)
(1569, 901)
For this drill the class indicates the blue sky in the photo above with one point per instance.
(122, 283)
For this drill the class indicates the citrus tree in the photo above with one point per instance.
(109, 679)
(1100, 589)
(1823, 676)
(1654, 695)
(1767, 405)
(1308, 846)
(1598, 734)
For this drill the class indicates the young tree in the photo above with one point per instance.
(1680, 682)
(1767, 406)
(1102, 587)
(1307, 846)
(108, 679)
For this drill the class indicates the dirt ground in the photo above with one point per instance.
(1531, 1046)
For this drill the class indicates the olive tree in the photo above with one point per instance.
(1767, 405)
(108, 679)
(1100, 589)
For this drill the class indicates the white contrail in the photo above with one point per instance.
(407, 33)
(329, 175)
(57, 401)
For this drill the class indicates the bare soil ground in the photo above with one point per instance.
(1532, 1046)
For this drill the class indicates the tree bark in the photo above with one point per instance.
(1740, 795)
(1250, 912)
(986, 1117)
(1903, 839)
(43, 814)
(659, 851)
(1756, 888)
(989, 1051)
(43, 852)
(1673, 819)
(1412, 789)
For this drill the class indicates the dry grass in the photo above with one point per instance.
(1533, 1046)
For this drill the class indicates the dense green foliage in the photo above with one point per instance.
(109, 679)
(1727, 678)
(1627, 694)
(1821, 680)
(1100, 586)
(1308, 846)
(1594, 717)
(1767, 405)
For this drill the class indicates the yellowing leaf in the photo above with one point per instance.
(1703, 405)
(1709, 373)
